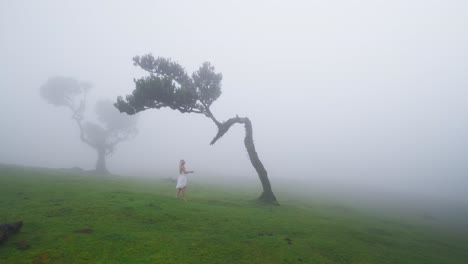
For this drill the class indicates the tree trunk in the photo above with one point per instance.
(101, 161)
(267, 196)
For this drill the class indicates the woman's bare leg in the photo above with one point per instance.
(178, 192)
(183, 193)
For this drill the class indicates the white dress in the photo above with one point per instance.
(181, 181)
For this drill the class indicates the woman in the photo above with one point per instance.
(182, 180)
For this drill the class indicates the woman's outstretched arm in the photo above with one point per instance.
(184, 171)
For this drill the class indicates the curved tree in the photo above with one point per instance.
(68, 92)
(169, 85)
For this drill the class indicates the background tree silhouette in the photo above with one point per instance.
(168, 85)
(114, 127)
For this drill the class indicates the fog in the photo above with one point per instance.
(343, 95)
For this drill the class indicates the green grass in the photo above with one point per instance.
(140, 221)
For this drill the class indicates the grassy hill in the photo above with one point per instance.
(82, 218)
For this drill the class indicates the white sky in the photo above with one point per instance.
(370, 93)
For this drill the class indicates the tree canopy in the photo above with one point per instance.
(168, 85)
(68, 92)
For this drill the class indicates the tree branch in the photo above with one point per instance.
(82, 136)
(210, 115)
(225, 126)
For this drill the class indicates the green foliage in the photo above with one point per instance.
(208, 83)
(113, 121)
(61, 91)
(139, 221)
(68, 92)
(115, 127)
(168, 85)
(95, 134)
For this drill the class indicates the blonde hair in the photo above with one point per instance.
(181, 165)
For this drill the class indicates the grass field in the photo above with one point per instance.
(139, 221)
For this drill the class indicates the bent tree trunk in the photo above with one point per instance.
(101, 161)
(267, 195)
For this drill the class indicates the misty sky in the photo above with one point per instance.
(357, 93)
